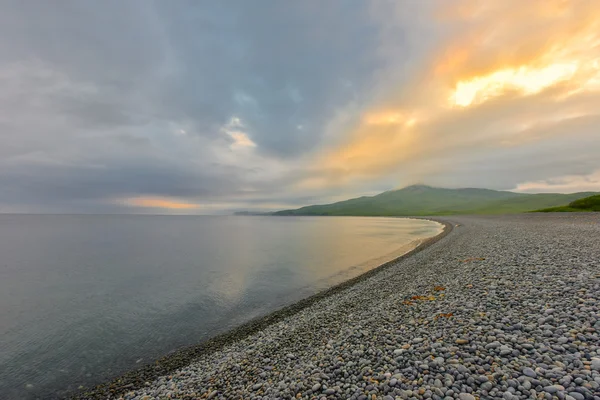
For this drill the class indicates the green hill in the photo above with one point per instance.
(426, 200)
(591, 203)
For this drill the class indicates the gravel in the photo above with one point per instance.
(504, 307)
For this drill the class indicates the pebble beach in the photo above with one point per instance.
(497, 307)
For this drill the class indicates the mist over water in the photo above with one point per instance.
(85, 298)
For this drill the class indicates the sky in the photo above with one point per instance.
(203, 107)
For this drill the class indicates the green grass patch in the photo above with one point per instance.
(591, 203)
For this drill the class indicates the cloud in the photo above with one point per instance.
(563, 184)
(114, 107)
(146, 93)
(508, 80)
(234, 129)
(523, 80)
(158, 202)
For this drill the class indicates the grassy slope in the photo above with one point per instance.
(591, 203)
(424, 200)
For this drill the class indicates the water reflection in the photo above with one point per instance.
(83, 298)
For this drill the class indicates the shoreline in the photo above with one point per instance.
(137, 378)
(504, 307)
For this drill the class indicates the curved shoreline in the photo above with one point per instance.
(137, 378)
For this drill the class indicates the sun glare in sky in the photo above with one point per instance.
(524, 80)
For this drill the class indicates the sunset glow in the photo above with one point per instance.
(522, 80)
(495, 58)
(159, 202)
(388, 118)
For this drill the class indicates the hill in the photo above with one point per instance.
(591, 203)
(425, 200)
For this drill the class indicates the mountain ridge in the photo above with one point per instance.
(416, 200)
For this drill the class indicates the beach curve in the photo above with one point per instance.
(138, 378)
(503, 307)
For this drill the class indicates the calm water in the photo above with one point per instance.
(83, 298)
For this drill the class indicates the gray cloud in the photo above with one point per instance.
(283, 68)
(124, 87)
(103, 100)
(226, 103)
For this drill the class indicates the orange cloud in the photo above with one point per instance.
(525, 80)
(158, 202)
(387, 117)
(504, 68)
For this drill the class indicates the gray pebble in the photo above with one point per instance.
(520, 293)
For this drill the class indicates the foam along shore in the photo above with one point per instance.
(498, 307)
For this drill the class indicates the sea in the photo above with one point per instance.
(85, 298)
